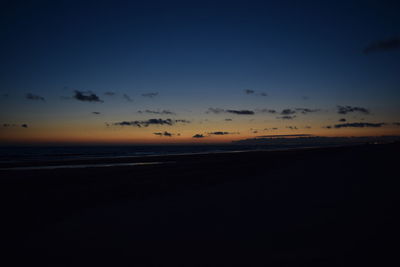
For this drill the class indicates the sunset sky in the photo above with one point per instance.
(197, 71)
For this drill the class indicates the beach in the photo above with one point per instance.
(320, 206)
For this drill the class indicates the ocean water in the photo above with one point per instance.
(57, 153)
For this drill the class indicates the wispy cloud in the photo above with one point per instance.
(109, 93)
(307, 110)
(165, 112)
(96, 113)
(348, 109)
(220, 133)
(287, 117)
(232, 111)
(383, 45)
(357, 125)
(146, 123)
(86, 96)
(150, 95)
(252, 92)
(31, 96)
(127, 98)
(165, 133)
(288, 111)
(266, 110)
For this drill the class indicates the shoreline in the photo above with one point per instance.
(300, 207)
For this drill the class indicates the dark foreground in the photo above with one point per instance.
(320, 207)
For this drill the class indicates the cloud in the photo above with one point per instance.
(110, 93)
(357, 125)
(24, 125)
(348, 109)
(228, 120)
(240, 112)
(291, 127)
(96, 112)
(232, 111)
(219, 133)
(166, 112)
(150, 95)
(149, 122)
(165, 133)
(288, 111)
(252, 92)
(182, 121)
(342, 120)
(86, 96)
(215, 110)
(306, 110)
(383, 46)
(198, 136)
(396, 123)
(34, 97)
(286, 117)
(127, 98)
(265, 110)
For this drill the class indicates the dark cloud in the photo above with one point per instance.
(34, 97)
(86, 96)
(146, 123)
(306, 110)
(96, 112)
(233, 111)
(267, 129)
(165, 133)
(127, 98)
(342, 120)
(110, 93)
(182, 121)
(198, 136)
(166, 112)
(348, 109)
(286, 117)
(240, 112)
(307, 127)
(384, 45)
(358, 125)
(263, 94)
(265, 110)
(219, 133)
(228, 120)
(150, 95)
(24, 125)
(396, 123)
(288, 111)
(291, 127)
(6, 125)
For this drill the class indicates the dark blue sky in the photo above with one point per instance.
(196, 55)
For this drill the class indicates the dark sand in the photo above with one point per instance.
(319, 207)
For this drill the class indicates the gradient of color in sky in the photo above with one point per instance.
(102, 71)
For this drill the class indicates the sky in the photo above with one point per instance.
(146, 72)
